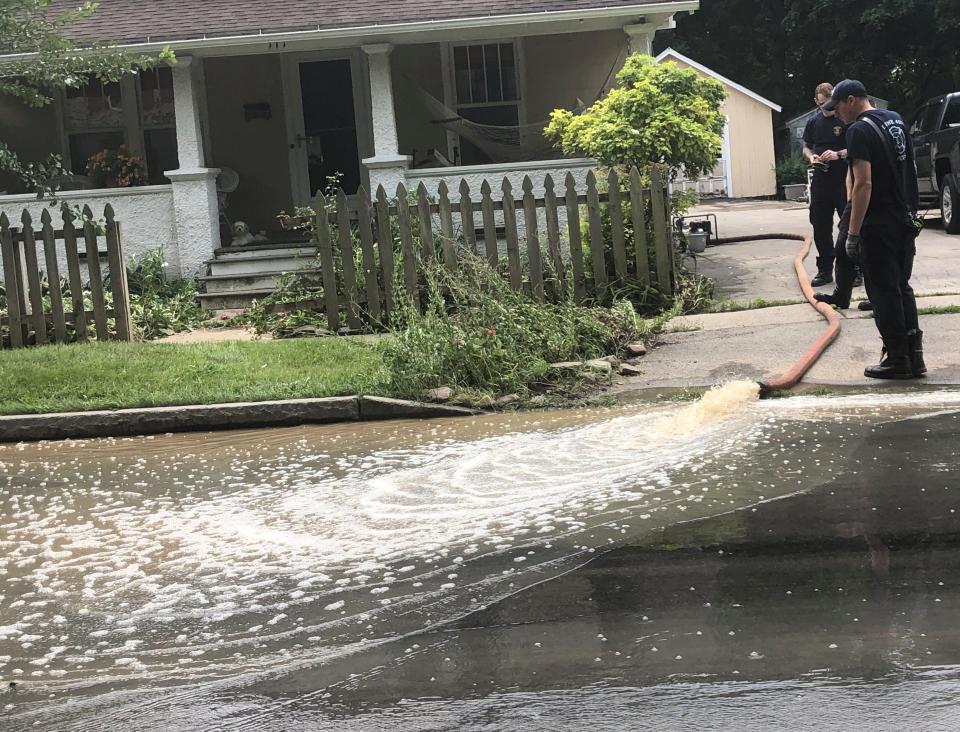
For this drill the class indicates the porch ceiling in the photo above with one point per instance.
(133, 22)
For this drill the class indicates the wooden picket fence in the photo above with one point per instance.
(424, 225)
(28, 321)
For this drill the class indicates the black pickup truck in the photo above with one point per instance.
(936, 141)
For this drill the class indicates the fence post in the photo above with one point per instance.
(615, 207)
(34, 290)
(427, 250)
(638, 215)
(661, 241)
(513, 243)
(489, 224)
(596, 238)
(553, 236)
(118, 277)
(328, 272)
(466, 218)
(96, 279)
(73, 274)
(12, 280)
(576, 245)
(446, 228)
(533, 239)
(406, 242)
(346, 260)
(385, 245)
(53, 277)
(370, 279)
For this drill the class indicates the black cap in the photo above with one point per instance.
(846, 88)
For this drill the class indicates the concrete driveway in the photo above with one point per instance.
(762, 343)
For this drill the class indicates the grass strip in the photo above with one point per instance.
(114, 375)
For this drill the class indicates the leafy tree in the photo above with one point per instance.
(903, 50)
(657, 113)
(42, 59)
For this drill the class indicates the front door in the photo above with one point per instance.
(328, 138)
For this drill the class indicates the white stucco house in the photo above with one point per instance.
(288, 93)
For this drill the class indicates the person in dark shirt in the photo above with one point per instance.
(881, 234)
(824, 145)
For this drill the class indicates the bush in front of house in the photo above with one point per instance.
(479, 336)
(791, 170)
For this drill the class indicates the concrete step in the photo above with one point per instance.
(265, 250)
(246, 265)
(239, 299)
(257, 281)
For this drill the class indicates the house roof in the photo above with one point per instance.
(670, 53)
(145, 21)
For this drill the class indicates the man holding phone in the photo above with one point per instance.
(824, 145)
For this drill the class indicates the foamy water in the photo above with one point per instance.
(188, 558)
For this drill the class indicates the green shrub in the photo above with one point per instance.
(477, 334)
(791, 170)
(160, 306)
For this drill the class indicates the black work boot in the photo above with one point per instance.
(838, 298)
(865, 305)
(822, 278)
(894, 361)
(915, 351)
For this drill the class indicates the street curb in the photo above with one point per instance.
(238, 415)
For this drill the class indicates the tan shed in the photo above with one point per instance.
(746, 168)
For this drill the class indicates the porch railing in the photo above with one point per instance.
(36, 311)
(537, 242)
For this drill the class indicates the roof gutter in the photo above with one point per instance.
(371, 32)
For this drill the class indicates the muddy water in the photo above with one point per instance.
(259, 578)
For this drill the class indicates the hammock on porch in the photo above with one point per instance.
(503, 143)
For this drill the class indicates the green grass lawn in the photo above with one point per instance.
(115, 375)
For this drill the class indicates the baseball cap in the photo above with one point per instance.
(844, 89)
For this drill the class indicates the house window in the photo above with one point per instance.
(137, 112)
(93, 120)
(487, 86)
(159, 123)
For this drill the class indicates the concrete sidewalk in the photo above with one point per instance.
(762, 343)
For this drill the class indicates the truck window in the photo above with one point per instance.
(917, 127)
(952, 115)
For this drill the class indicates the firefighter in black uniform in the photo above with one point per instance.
(824, 145)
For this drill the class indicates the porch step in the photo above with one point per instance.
(255, 263)
(239, 299)
(266, 250)
(228, 283)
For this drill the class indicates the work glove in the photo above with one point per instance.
(853, 247)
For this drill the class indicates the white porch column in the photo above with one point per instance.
(196, 215)
(640, 35)
(387, 165)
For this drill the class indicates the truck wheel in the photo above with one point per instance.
(950, 204)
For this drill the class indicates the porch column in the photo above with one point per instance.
(387, 165)
(640, 35)
(196, 214)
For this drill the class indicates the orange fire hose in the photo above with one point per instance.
(796, 372)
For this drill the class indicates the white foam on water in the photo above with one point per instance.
(267, 546)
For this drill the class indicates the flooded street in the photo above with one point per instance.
(725, 564)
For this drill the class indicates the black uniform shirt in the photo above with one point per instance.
(824, 133)
(894, 190)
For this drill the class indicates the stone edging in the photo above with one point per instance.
(239, 415)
